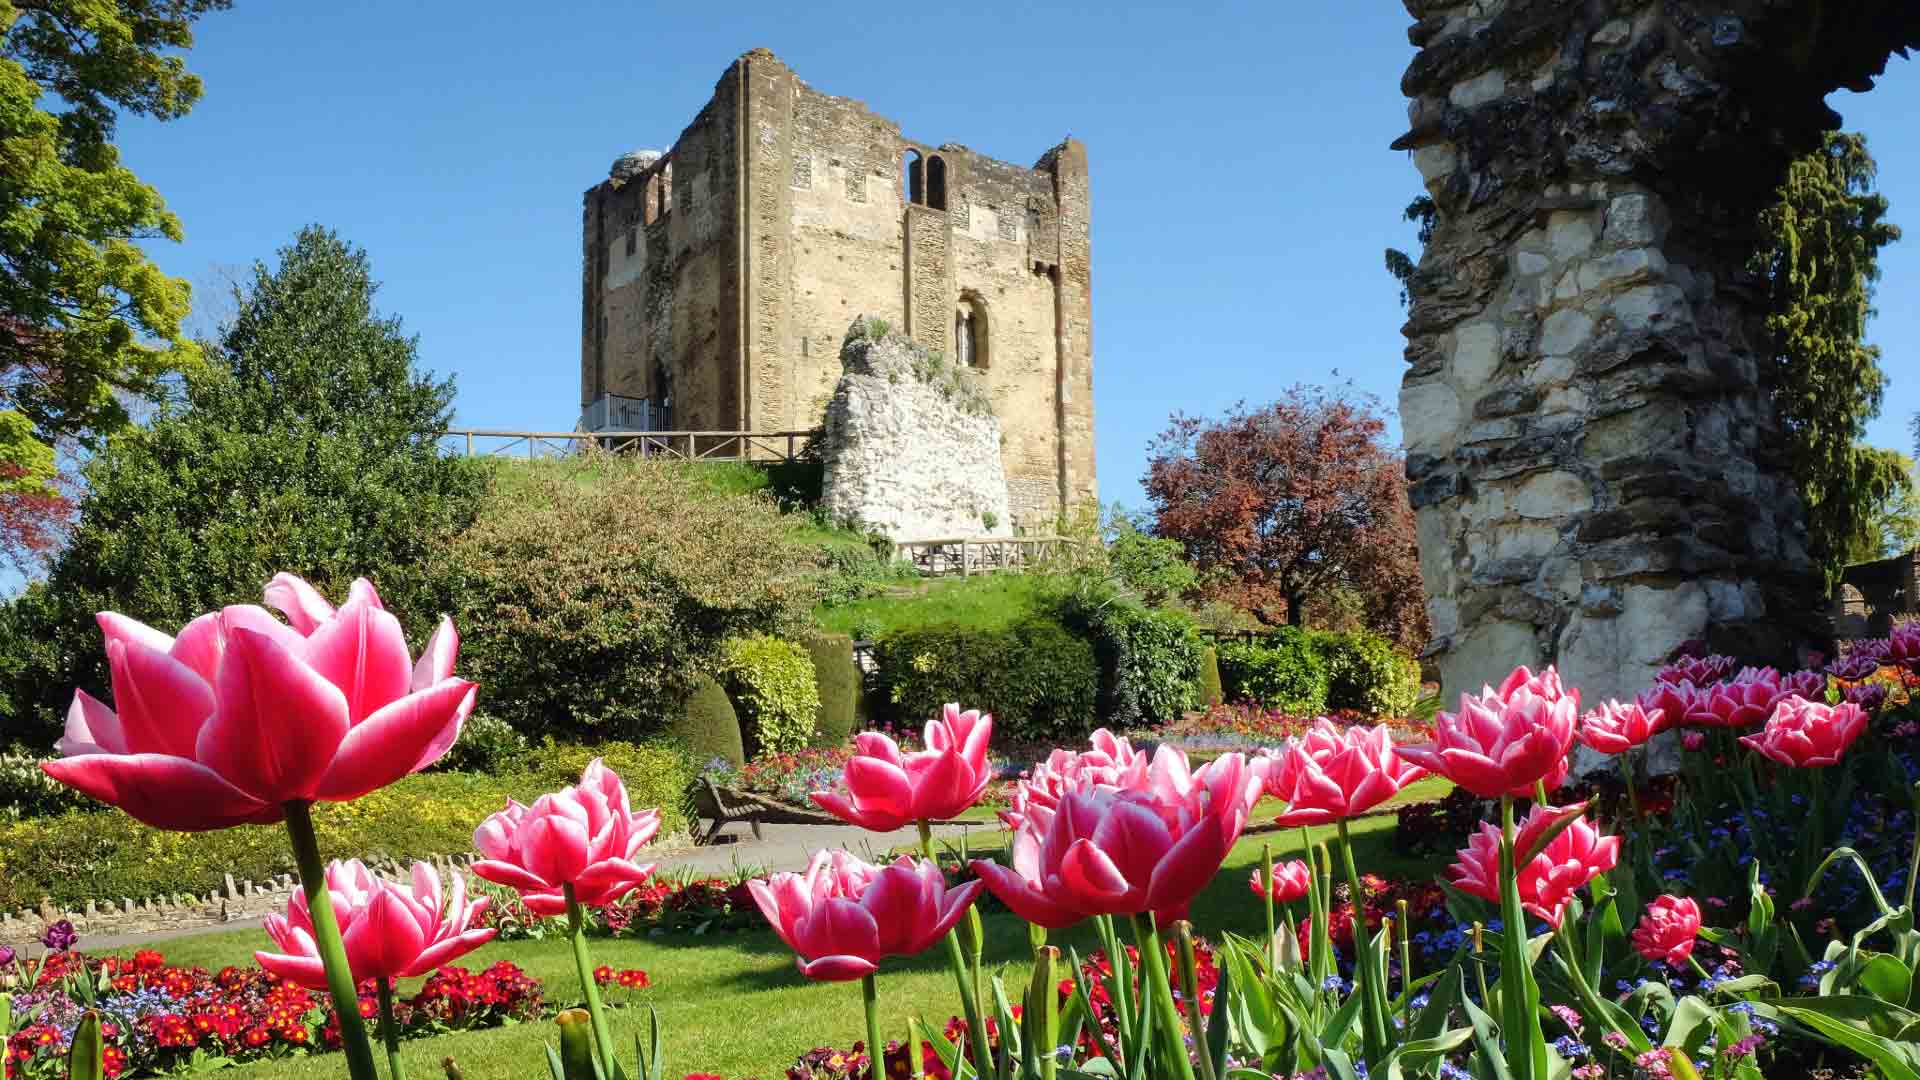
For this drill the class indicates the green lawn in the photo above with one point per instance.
(988, 602)
(736, 1005)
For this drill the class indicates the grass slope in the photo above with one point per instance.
(988, 602)
(735, 1004)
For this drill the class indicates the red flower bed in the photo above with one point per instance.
(158, 1018)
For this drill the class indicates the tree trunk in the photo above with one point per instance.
(1296, 610)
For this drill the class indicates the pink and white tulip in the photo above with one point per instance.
(843, 916)
(1504, 741)
(582, 838)
(1807, 734)
(888, 790)
(1332, 773)
(241, 714)
(1548, 880)
(1617, 727)
(391, 931)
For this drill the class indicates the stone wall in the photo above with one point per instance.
(1592, 453)
(912, 447)
(739, 315)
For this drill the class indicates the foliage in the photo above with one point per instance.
(838, 679)
(1365, 673)
(86, 318)
(588, 591)
(1893, 526)
(1277, 505)
(787, 777)
(310, 445)
(1283, 670)
(852, 574)
(1820, 260)
(1423, 213)
(1038, 679)
(771, 682)
(985, 602)
(25, 791)
(709, 727)
(487, 744)
(1150, 659)
(1152, 568)
(1211, 693)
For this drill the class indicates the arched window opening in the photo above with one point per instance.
(914, 173)
(936, 183)
(970, 332)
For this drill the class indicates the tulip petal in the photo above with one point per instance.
(200, 645)
(385, 939)
(160, 701)
(117, 627)
(260, 621)
(92, 728)
(553, 846)
(836, 968)
(396, 740)
(1022, 898)
(608, 872)
(164, 792)
(511, 876)
(1188, 866)
(362, 651)
(444, 952)
(436, 660)
(304, 971)
(279, 722)
(300, 602)
(941, 782)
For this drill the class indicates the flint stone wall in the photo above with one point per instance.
(1592, 454)
(912, 446)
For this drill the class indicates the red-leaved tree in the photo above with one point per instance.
(1283, 507)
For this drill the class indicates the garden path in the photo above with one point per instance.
(780, 847)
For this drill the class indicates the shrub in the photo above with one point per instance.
(838, 679)
(1149, 660)
(1365, 673)
(589, 591)
(487, 744)
(708, 727)
(1154, 569)
(1281, 671)
(771, 683)
(852, 574)
(1210, 691)
(1038, 679)
(25, 791)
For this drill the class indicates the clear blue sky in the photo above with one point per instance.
(1243, 189)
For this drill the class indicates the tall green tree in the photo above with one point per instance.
(86, 319)
(308, 444)
(1821, 260)
(1893, 527)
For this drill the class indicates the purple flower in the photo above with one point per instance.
(6, 956)
(60, 936)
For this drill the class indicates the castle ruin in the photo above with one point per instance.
(719, 276)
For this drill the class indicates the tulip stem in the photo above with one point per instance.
(390, 1029)
(1584, 991)
(1153, 980)
(956, 959)
(326, 940)
(876, 1051)
(1913, 864)
(1373, 1003)
(1190, 980)
(577, 933)
(1633, 797)
(1519, 994)
(1266, 901)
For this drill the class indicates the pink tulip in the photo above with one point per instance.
(1114, 852)
(1112, 763)
(1332, 773)
(843, 916)
(584, 837)
(1804, 734)
(1742, 701)
(890, 790)
(1667, 930)
(1698, 670)
(241, 713)
(1546, 882)
(1504, 741)
(1615, 728)
(1289, 881)
(1811, 685)
(391, 932)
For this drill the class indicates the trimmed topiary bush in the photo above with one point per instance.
(1038, 679)
(1211, 693)
(1280, 671)
(1365, 672)
(771, 683)
(1149, 659)
(838, 680)
(708, 727)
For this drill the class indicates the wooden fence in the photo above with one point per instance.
(681, 445)
(967, 556)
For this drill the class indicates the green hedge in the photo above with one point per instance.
(1150, 660)
(708, 726)
(838, 678)
(85, 855)
(1365, 672)
(772, 687)
(1211, 693)
(1038, 679)
(1280, 671)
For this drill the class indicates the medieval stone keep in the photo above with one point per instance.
(1591, 448)
(719, 276)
